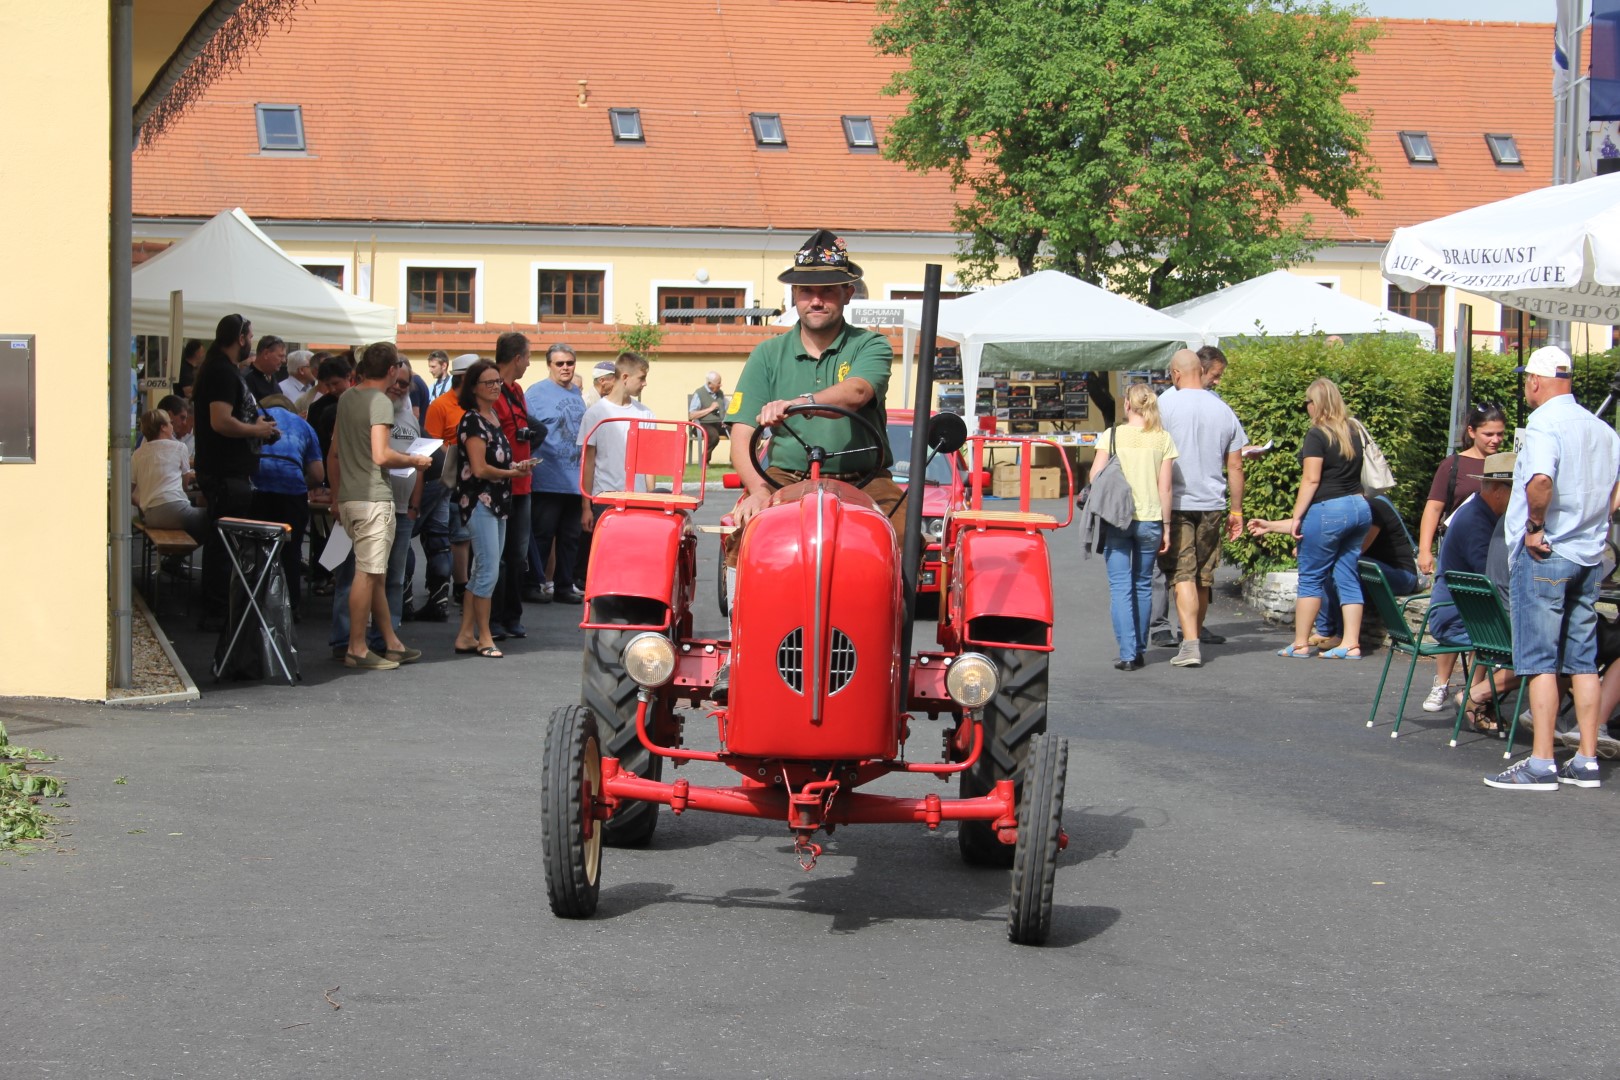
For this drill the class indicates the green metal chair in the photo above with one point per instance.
(1480, 608)
(1381, 597)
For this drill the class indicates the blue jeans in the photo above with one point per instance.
(1129, 554)
(1328, 621)
(488, 541)
(393, 587)
(1554, 622)
(1330, 545)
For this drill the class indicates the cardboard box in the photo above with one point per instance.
(1045, 483)
(1043, 456)
(1004, 482)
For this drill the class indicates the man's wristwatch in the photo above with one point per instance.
(809, 396)
(1534, 527)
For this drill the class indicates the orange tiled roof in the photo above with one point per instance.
(469, 114)
(1456, 81)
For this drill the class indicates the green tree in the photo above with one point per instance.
(1155, 145)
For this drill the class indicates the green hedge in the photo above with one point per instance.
(1401, 391)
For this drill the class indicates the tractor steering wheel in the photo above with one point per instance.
(874, 446)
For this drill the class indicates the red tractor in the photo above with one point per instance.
(824, 692)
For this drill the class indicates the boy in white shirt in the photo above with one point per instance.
(602, 465)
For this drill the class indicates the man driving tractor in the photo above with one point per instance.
(821, 361)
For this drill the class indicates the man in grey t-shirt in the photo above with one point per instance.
(1210, 440)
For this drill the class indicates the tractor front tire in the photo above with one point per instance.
(1040, 829)
(571, 841)
(610, 695)
(1014, 717)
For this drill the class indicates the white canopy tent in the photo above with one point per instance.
(1051, 321)
(1281, 304)
(228, 266)
(1554, 252)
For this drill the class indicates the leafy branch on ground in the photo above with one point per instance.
(22, 791)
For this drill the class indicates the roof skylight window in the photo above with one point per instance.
(626, 125)
(1504, 150)
(859, 133)
(281, 127)
(1419, 151)
(767, 129)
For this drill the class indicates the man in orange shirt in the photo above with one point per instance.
(445, 539)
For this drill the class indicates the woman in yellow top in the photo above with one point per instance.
(1145, 452)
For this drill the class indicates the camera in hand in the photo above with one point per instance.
(528, 435)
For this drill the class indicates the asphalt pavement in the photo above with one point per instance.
(342, 879)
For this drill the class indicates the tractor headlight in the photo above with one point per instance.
(934, 528)
(971, 681)
(649, 660)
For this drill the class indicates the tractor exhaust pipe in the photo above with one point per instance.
(922, 407)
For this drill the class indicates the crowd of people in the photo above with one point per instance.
(495, 504)
(503, 496)
(1535, 523)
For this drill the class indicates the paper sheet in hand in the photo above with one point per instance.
(338, 546)
(425, 447)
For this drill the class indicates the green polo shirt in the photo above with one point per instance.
(779, 369)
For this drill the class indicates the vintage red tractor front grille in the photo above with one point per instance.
(790, 659)
(840, 667)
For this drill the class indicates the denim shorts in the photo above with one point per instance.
(1554, 620)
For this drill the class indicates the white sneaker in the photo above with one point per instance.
(1438, 698)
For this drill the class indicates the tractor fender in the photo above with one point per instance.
(1006, 583)
(635, 564)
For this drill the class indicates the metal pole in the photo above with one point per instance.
(922, 406)
(1461, 374)
(120, 400)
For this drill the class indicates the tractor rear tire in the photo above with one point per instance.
(610, 695)
(571, 765)
(1040, 828)
(1014, 717)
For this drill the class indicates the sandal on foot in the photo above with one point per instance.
(468, 651)
(1477, 715)
(1297, 652)
(1342, 653)
(490, 652)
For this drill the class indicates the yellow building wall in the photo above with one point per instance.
(54, 215)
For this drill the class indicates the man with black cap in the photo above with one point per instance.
(822, 361)
(1557, 521)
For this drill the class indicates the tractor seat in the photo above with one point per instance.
(660, 499)
(1004, 517)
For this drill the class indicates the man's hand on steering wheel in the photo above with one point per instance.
(773, 416)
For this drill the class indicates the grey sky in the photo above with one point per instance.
(1477, 10)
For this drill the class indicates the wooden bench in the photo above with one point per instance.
(163, 543)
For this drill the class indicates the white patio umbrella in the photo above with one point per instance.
(1554, 252)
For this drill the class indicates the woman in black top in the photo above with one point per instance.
(1388, 544)
(1330, 520)
(1458, 477)
(484, 496)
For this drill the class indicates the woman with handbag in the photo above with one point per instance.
(1144, 452)
(1331, 518)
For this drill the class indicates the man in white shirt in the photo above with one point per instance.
(602, 467)
(300, 374)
